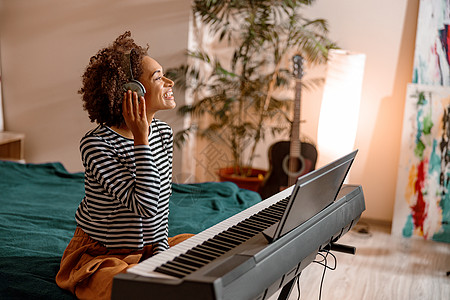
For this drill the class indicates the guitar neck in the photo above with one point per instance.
(295, 146)
(295, 130)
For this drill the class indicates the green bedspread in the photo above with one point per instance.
(37, 208)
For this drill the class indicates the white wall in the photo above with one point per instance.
(45, 47)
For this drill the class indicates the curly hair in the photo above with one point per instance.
(108, 70)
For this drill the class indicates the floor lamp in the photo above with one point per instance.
(338, 120)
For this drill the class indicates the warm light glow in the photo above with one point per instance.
(339, 112)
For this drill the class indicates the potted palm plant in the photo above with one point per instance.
(237, 93)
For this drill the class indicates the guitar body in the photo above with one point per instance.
(278, 179)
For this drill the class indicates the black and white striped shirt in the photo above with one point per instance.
(127, 188)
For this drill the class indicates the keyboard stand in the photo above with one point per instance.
(287, 288)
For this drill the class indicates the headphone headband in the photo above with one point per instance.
(131, 69)
(127, 64)
(133, 85)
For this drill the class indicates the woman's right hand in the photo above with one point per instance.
(134, 114)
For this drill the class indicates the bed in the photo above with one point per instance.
(37, 207)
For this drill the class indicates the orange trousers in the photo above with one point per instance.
(87, 268)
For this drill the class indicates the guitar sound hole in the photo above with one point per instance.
(294, 164)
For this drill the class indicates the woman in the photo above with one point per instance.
(123, 218)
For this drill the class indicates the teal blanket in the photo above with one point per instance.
(37, 208)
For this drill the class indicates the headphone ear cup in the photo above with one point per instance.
(135, 86)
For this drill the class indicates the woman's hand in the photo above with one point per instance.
(135, 116)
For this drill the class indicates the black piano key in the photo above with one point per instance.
(239, 231)
(274, 214)
(170, 265)
(229, 239)
(217, 245)
(270, 217)
(270, 220)
(224, 242)
(269, 214)
(255, 226)
(274, 218)
(180, 266)
(282, 203)
(171, 272)
(278, 204)
(201, 254)
(247, 225)
(254, 221)
(208, 249)
(188, 261)
(234, 236)
(242, 231)
(196, 258)
(261, 218)
(222, 238)
(259, 223)
(247, 228)
(275, 210)
(277, 213)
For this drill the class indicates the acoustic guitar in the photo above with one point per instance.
(289, 160)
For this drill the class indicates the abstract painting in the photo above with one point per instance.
(432, 53)
(422, 204)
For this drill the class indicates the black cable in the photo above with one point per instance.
(298, 287)
(325, 265)
(325, 259)
(322, 279)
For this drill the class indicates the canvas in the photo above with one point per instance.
(432, 55)
(422, 205)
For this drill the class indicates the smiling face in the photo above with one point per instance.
(159, 95)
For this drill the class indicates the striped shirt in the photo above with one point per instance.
(127, 188)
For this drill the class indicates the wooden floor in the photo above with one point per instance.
(384, 267)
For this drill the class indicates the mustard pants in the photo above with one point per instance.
(87, 268)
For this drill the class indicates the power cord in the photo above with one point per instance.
(298, 288)
(324, 263)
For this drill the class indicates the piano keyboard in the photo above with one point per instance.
(254, 269)
(199, 250)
